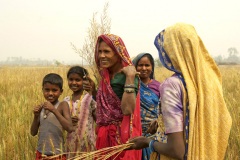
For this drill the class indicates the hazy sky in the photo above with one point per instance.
(45, 28)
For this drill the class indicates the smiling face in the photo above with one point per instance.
(75, 82)
(144, 66)
(107, 57)
(51, 92)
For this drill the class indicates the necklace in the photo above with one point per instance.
(75, 110)
(148, 82)
(45, 114)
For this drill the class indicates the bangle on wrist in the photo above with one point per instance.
(129, 90)
(129, 86)
(151, 145)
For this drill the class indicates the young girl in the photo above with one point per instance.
(82, 110)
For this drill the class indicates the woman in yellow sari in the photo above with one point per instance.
(196, 120)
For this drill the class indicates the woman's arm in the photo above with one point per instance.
(174, 147)
(129, 99)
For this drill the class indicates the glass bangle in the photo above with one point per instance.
(151, 145)
(129, 90)
(129, 86)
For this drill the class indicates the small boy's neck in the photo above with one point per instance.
(55, 102)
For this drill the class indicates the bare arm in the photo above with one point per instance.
(128, 99)
(62, 113)
(36, 120)
(174, 147)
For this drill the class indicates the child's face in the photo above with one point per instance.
(75, 82)
(51, 92)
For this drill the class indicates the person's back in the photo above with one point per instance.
(196, 118)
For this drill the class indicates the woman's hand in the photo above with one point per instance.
(129, 71)
(89, 85)
(153, 127)
(139, 142)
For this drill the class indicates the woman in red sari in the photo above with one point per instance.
(118, 107)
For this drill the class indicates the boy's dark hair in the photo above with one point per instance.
(78, 70)
(53, 78)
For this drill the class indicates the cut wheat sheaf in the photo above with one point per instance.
(101, 154)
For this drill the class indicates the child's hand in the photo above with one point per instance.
(74, 120)
(37, 110)
(48, 106)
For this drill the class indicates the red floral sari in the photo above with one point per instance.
(114, 128)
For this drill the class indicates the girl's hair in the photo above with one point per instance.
(78, 70)
(53, 78)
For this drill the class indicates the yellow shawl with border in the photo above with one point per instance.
(209, 119)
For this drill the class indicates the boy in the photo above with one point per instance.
(50, 118)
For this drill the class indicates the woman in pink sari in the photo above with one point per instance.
(118, 107)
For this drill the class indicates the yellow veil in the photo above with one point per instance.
(209, 119)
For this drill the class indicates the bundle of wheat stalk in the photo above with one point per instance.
(101, 154)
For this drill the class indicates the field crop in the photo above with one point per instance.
(20, 91)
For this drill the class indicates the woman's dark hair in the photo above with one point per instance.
(150, 59)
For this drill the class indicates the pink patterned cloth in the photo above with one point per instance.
(83, 139)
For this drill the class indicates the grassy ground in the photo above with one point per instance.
(20, 90)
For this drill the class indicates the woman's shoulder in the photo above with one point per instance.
(171, 82)
(154, 84)
(154, 81)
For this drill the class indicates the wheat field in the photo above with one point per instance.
(20, 90)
